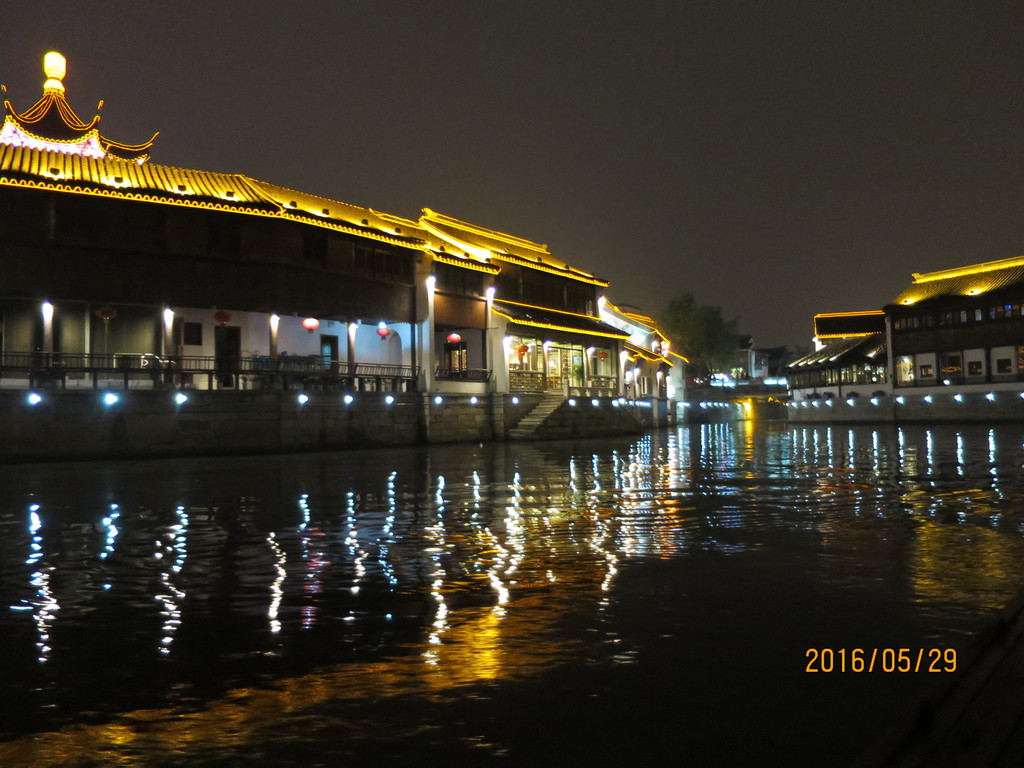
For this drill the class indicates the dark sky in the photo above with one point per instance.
(774, 158)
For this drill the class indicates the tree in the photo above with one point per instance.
(701, 334)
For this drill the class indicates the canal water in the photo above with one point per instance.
(611, 600)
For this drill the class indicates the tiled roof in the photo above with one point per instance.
(489, 244)
(861, 349)
(553, 319)
(61, 172)
(972, 280)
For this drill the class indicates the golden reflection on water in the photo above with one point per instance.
(550, 541)
(480, 645)
(966, 564)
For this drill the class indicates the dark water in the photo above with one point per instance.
(604, 601)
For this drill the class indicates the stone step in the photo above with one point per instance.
(528, 425)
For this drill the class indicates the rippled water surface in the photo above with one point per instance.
(612, 600)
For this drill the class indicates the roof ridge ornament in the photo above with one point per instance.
(55, 66)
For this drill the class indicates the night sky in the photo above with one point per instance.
(775, 158)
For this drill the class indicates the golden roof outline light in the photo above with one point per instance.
(28, 167)
(592, 326)
(851, 314)
(490, 244)
(971, 269)
(52, 124)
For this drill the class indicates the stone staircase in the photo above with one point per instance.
(527, 426)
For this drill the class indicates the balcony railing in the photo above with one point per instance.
(463, 374)
(526, 381)
(597, 386)
(145, 370)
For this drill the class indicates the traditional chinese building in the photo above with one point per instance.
(120, 272)
(653, 371)
(849, 360)
(953, 349)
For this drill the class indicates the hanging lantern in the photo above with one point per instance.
(222, 317)
(521, 350)
(602, 355)
(310, 324)
(382, 330)
(106, 313)
(454, 338)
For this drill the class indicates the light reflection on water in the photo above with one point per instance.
(194, 611)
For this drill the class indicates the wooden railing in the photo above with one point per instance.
(140, 370)
(526, 381)
(597, 386)
(463, 374)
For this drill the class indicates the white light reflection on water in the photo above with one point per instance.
(312, 542)
(172, 597)
(590, 552)
(276, 588)
(435, 532)
(45, 605)
(112, 530)
(388, 532)
(929, 442)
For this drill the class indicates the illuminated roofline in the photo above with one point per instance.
(973, 269)
(431, 217)
(846, 335)
(646, 355)
(160, 199)
(850, 314)
(455, 261)
(475, 250)
(440, 218)
(546, 309)
(542, 267)
(554, 327)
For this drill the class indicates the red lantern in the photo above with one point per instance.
(602, 355)
(222, 317)
(310, 324)
(106, 313)
(454, 338)
(383, 331)
(521, 350)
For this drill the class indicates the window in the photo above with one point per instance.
(193, 334)
(1004, 365)
(974, 368)
(905, 370)
(927, 370)
(951, 364)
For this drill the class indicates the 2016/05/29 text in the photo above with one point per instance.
(881, 659)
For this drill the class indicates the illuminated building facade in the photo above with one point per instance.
(121, 272)
(651, 368)
(849, 360)
(952, 344)
(962, 326)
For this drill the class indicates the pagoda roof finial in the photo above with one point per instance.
(55, 67)
(52, 124)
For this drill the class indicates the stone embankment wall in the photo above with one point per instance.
(920, 405)
(586, 420)
(148, 423)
